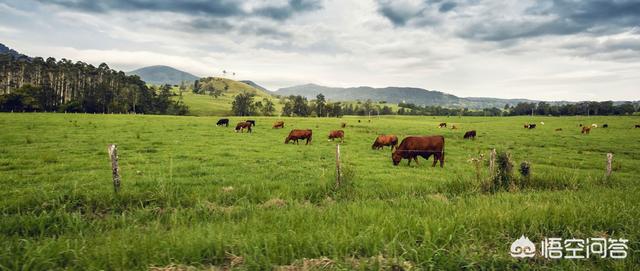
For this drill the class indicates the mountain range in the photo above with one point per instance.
(160, 74)
(412, 95)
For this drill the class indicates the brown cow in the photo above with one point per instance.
(385, 140)
(243, 125)
(336, 134)
(442, 125)
(559, 129)
(453, 127)
(296, 134)
(585, 130)
(278, 124)
(343, 125)
(470, 135)
(425, 146)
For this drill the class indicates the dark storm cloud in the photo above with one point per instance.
(569, 17)
(212, 8)
(448, 6)
(551, 17)
(284, 12)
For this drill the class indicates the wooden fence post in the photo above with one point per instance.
(492, 162)
(338, 171)
(115, 170)
(609, 160)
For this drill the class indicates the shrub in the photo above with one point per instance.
(503, 178)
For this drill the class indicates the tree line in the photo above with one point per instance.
(244, 104)
(36, 84)
(541, 108)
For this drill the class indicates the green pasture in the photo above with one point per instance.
(194, 195)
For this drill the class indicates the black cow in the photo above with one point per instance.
(224, 122)
(532, 126)
(605, 125)
(470, 134)
(253, 122)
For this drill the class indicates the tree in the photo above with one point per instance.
(300, 106)
(243, 105)
(320, 105)
(268, 107)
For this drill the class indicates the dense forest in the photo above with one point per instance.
(36, 84)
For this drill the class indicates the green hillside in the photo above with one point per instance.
(207, 105)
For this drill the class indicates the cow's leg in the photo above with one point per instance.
(415, 158)
(436, 157)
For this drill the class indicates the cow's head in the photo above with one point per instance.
(396, 157)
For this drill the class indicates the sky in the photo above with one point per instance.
(544, 50)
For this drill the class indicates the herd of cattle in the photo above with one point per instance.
(585, 129)
(409, 148)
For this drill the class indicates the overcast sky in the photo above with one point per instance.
(545, 50)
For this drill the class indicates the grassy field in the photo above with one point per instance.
(197, 195)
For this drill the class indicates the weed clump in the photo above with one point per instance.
(502, 178)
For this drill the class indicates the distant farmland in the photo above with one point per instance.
(196, 195)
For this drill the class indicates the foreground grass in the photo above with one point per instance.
(194, 194)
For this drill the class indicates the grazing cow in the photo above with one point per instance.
(470, 134)
(425, 146)
(594, 125)
(558, 129)
(442, 125)
(585, 130)
(385, 140)
(358, 121)
(253, 122)
(224, 122)
(453, 127)
(297, 134)
(637, 125)
(532, 126)
(605, 125)
(243, 125)
(278, 124)
(343, 125)
(580, 125)
(336, 134)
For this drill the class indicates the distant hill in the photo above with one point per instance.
(4, 50)
(388, 94)
(253, 84)
(159, 75)
(396, 95)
